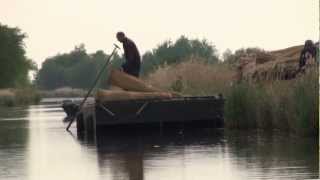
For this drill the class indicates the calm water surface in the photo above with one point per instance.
(35, 146)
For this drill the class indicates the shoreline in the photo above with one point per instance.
(65, 92)
(19, 97)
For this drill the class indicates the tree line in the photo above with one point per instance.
(77, 69)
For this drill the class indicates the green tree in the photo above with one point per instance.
(14, 65)
(75, 69)
(181, 50)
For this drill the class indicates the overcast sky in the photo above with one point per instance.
(55, 26)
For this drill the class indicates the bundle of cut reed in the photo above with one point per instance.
(127, 87)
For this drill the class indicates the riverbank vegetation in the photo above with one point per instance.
(193, 77)
(284, 104)
(290, 105)
(62, 92)
(287, 105)
(15, 84)
(14, 65)
(21, 96)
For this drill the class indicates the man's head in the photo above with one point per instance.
(121, 36)
(308, 44)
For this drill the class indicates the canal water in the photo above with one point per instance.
(35, 146)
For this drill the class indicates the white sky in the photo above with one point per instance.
(55, 26)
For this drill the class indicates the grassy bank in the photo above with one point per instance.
(15, 97)
(290, 105)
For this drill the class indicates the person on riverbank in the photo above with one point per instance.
(308, 55)
(317, 51)
(131, 54)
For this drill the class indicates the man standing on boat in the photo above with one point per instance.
(131, 54)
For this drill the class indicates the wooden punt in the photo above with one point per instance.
(144, 105)
(163, 113)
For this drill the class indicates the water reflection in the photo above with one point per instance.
(275, 155)
(34, 146)
(121, 162)
(203, 154)
(130, 155)
(55, 154)
(14, 136)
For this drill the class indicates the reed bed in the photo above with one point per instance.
(193, 77)
(287, 105)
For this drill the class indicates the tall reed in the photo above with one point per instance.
(288, 105)
(194, 77)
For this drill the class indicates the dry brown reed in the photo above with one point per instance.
(193, 77)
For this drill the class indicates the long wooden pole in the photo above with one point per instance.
(92, 87)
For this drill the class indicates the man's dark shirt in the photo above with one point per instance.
(133, 60)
